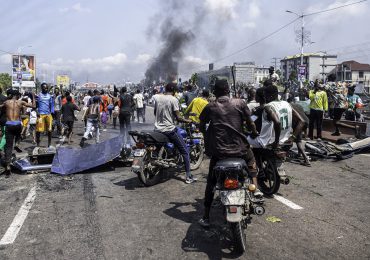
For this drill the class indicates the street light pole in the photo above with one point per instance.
(302, 38)
(302, 43)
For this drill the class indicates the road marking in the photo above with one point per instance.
(287, 202)
(16, 225)
(367, 155)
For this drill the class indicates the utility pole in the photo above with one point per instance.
(275, 61)
(323, 67)
(302, 40)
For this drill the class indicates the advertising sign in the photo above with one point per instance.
(301, 72)
(63, 80)
(23, 70)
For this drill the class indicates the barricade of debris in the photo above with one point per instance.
(68, 160)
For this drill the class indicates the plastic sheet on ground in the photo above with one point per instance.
(69, 160)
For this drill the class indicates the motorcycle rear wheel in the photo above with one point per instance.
(239, 237)
(149, 175)
(270, 183)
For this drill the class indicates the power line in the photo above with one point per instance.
(257, 41)
(349, 46)
(334, 8)
(251, 44)
(6, 52)
(349, 52)
(278, 30)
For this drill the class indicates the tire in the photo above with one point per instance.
(270, 183)
(239, 238)
(149, 175)
(196, 156)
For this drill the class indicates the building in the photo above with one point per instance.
(318, 65)
(260, 74)
(245, 72)
(355, 73)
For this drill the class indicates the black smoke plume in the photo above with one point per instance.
(165, 66)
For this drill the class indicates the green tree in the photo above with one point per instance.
(5, 80)
(194, 78)
(293, 75)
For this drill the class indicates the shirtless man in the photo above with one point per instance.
(92, 119)
(13, 125)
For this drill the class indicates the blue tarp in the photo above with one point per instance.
(69, 160)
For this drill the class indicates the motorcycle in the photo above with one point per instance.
(236, 194)
(154, 153)
(271, 168)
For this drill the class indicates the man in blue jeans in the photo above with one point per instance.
(166, 111)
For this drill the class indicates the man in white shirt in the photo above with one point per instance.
(139, 101)
(274, 120)
(86, 99)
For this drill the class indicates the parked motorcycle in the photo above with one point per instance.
(236, 193)
(154, 153)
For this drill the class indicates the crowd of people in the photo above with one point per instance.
(269, 120)
(52, 113)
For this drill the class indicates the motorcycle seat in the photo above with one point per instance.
(156, 136)
(231, 163)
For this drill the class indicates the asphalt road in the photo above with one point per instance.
(106, 213)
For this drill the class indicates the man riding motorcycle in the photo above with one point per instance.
(166, 110)
(224, 138)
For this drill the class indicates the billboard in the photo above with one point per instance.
(23, 70)
(301, 72)
(63, 80)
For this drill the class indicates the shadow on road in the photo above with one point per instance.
(130, 184)
(214, 241)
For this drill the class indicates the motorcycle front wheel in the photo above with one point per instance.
(149, 175)
(239, 237)
(269, 182)
(196, 157)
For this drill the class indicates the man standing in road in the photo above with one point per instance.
(92, 119)
(318, 105)
(166, 110)
(57, 107)
(13, 124)
(139, 101)
(45, 105)
(273, 75)
(68, 118)
(126, 104)
(224, 137)
(2, 120)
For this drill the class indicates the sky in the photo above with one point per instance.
(113, 41)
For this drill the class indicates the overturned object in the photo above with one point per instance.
(24, 165)
(342, 151)
(69, 160)
(39, 160)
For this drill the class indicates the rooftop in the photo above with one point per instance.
(313, 54)
(354, 65)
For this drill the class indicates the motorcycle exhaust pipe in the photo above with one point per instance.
(259, 210)
(284, 180)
